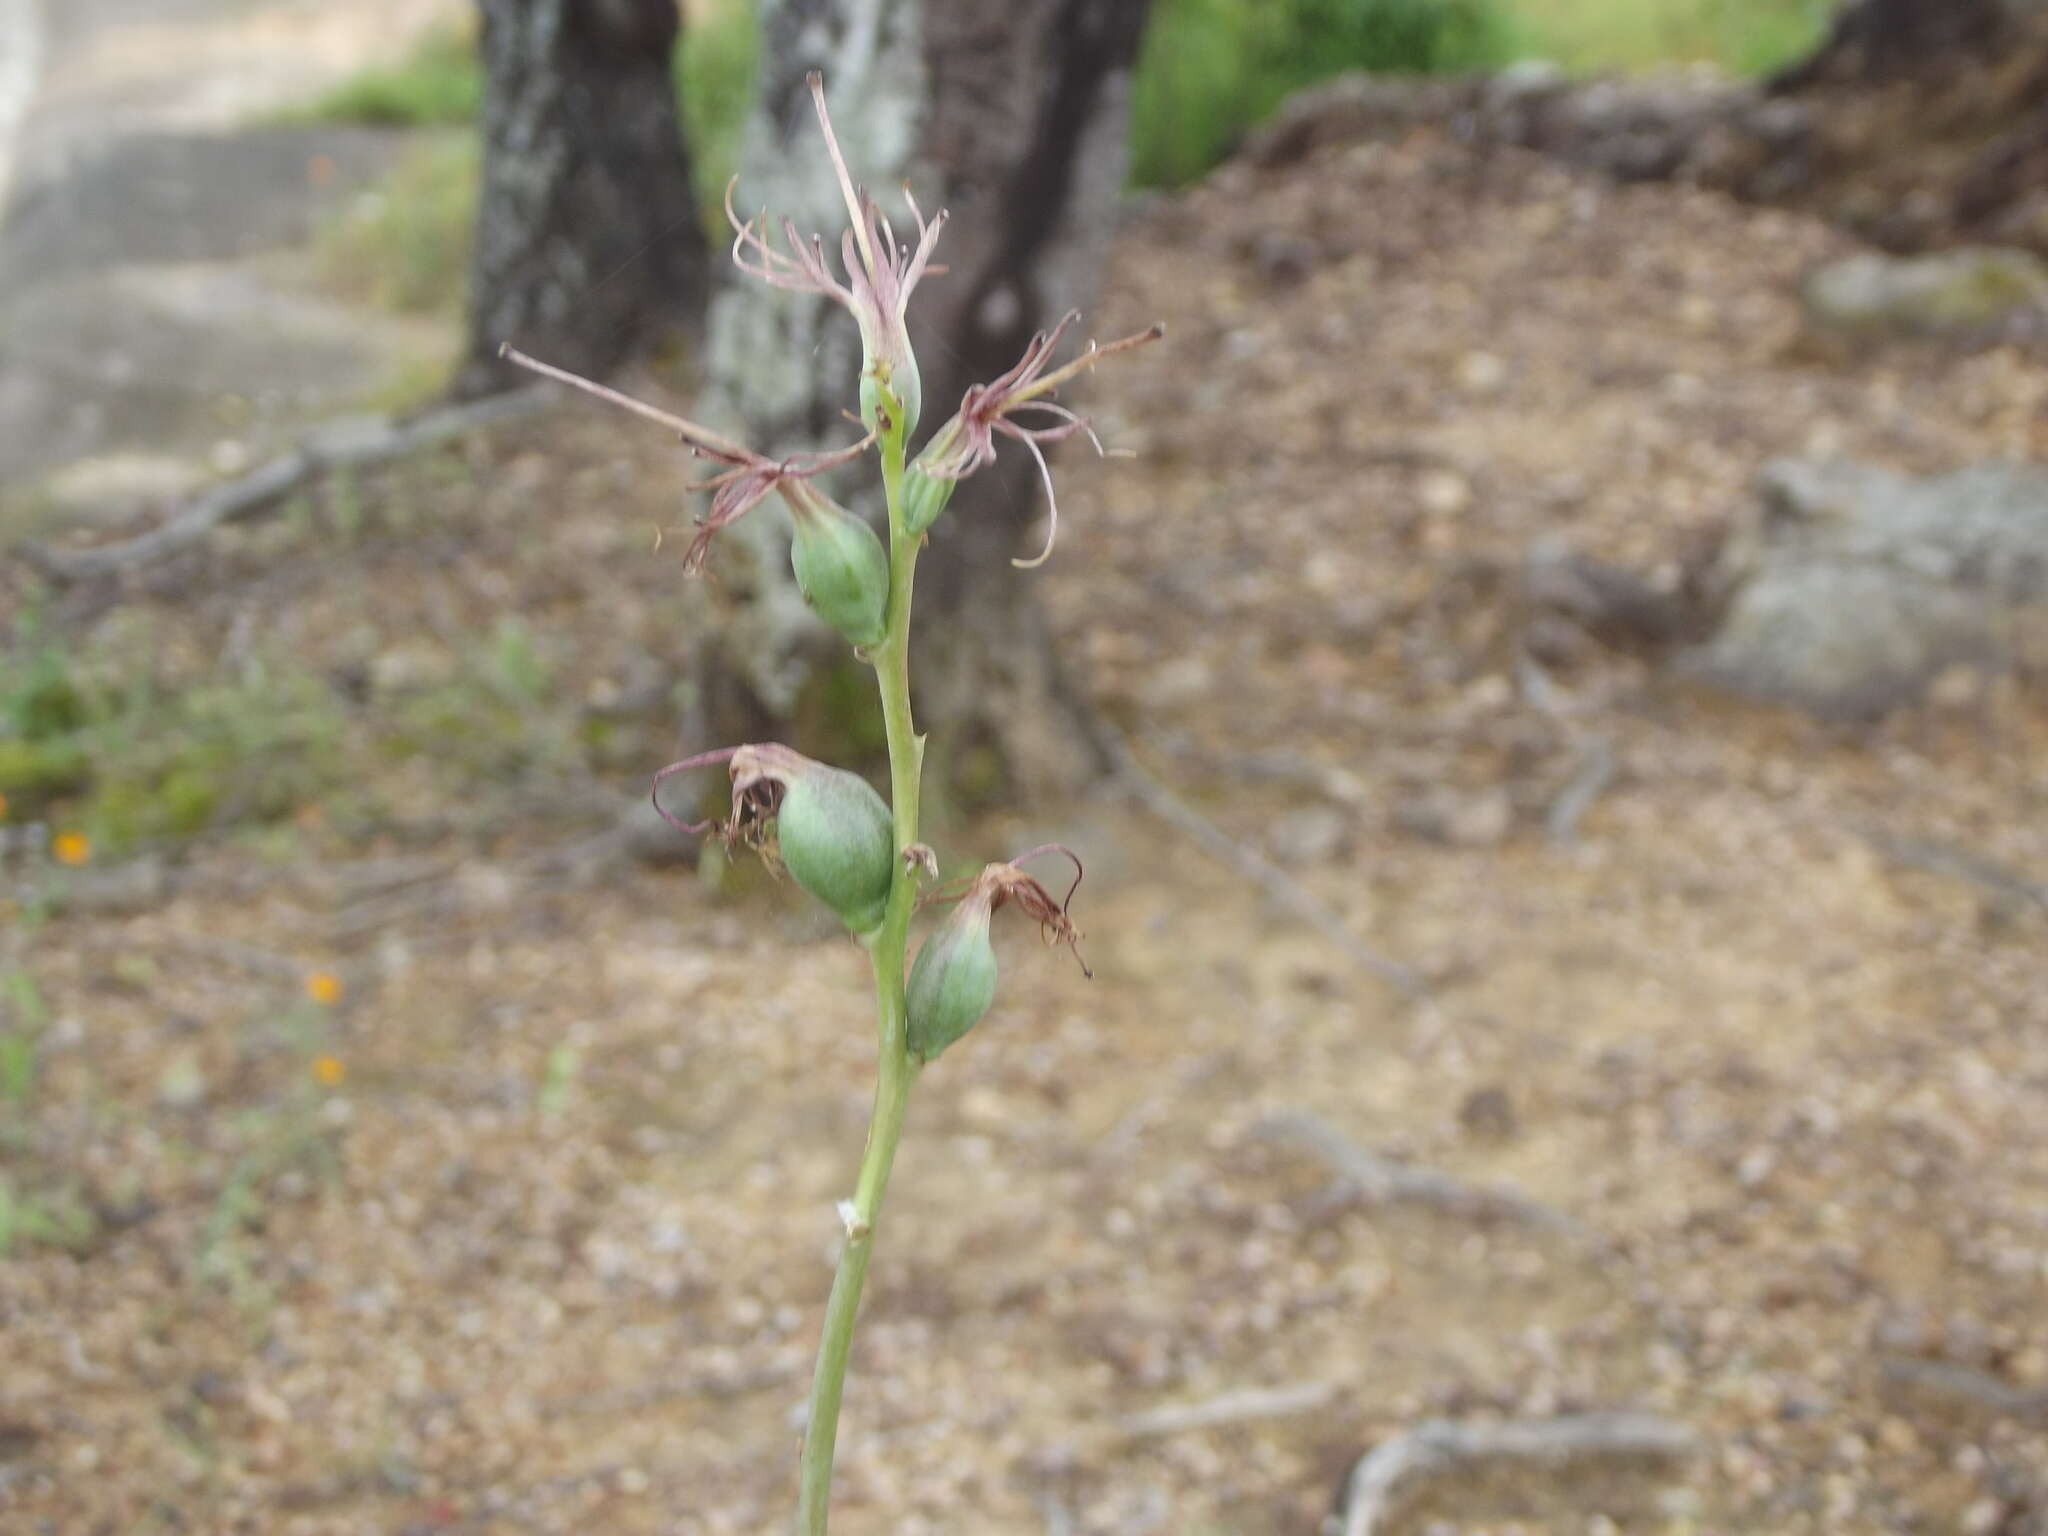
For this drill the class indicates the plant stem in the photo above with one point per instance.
(886, 953)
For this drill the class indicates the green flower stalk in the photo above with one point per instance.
(835, 836)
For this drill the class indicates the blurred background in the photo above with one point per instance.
(1550, 687)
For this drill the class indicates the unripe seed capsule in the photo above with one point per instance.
(841, 568)
(924, 498)
(953, 981)
(829, 828)
(834, 835)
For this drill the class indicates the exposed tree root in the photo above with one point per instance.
(1381, 1179)
(1384, 1480)
(353, 444)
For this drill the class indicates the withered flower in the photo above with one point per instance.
(742, 485)
(880, 274)
(967, 441)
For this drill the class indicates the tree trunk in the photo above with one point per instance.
(1873, 41)
(1011, 114)
(587, 244)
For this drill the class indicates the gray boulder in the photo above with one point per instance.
(1857, 586)
(1965, 293)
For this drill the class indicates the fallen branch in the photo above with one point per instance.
(1382, 1180)
(1384, 1480)
(1587, 784)
(1288, 892)
(352, 444)
(1231, 1408)
(1956, 863)
(1950, 1385)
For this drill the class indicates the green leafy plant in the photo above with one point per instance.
(835, 836)
(25, 1016)
(1743, 36)
(126, 760)
(1210, 69)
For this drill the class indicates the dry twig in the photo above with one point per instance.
(353, 444)
(1381, 1179)
(1231, 1408)
(1586, 785)
(1382, 1481)
(1949, 1384)
(1955, 863)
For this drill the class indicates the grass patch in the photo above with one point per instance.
(441, 86)
(1745, 37)
(127, 763)
(132, 740)
(1210, 69)
(715, 72)
(437, 86)
(404, 244)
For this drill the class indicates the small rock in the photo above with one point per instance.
(1444, 493)
(1481, 373)
(1858, 587)
(182, 1084)
(1180, 681)
(1488, 1114)
(1282, 258)
(1459, 820)
(1958, 688)
(1958, 293)
(117, 483)
(1315, 834)
(1524, 79)
(406, 668)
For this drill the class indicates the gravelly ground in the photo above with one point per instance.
(1791, 1091)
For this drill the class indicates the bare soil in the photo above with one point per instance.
(551, 1253)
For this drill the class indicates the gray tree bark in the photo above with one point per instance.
(1012, 115)
(1877, 40)
(587, 246)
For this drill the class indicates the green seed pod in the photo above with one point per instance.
(895, 386)
(924, 498)
(833, 833)
(841, 568)
(953, 981)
